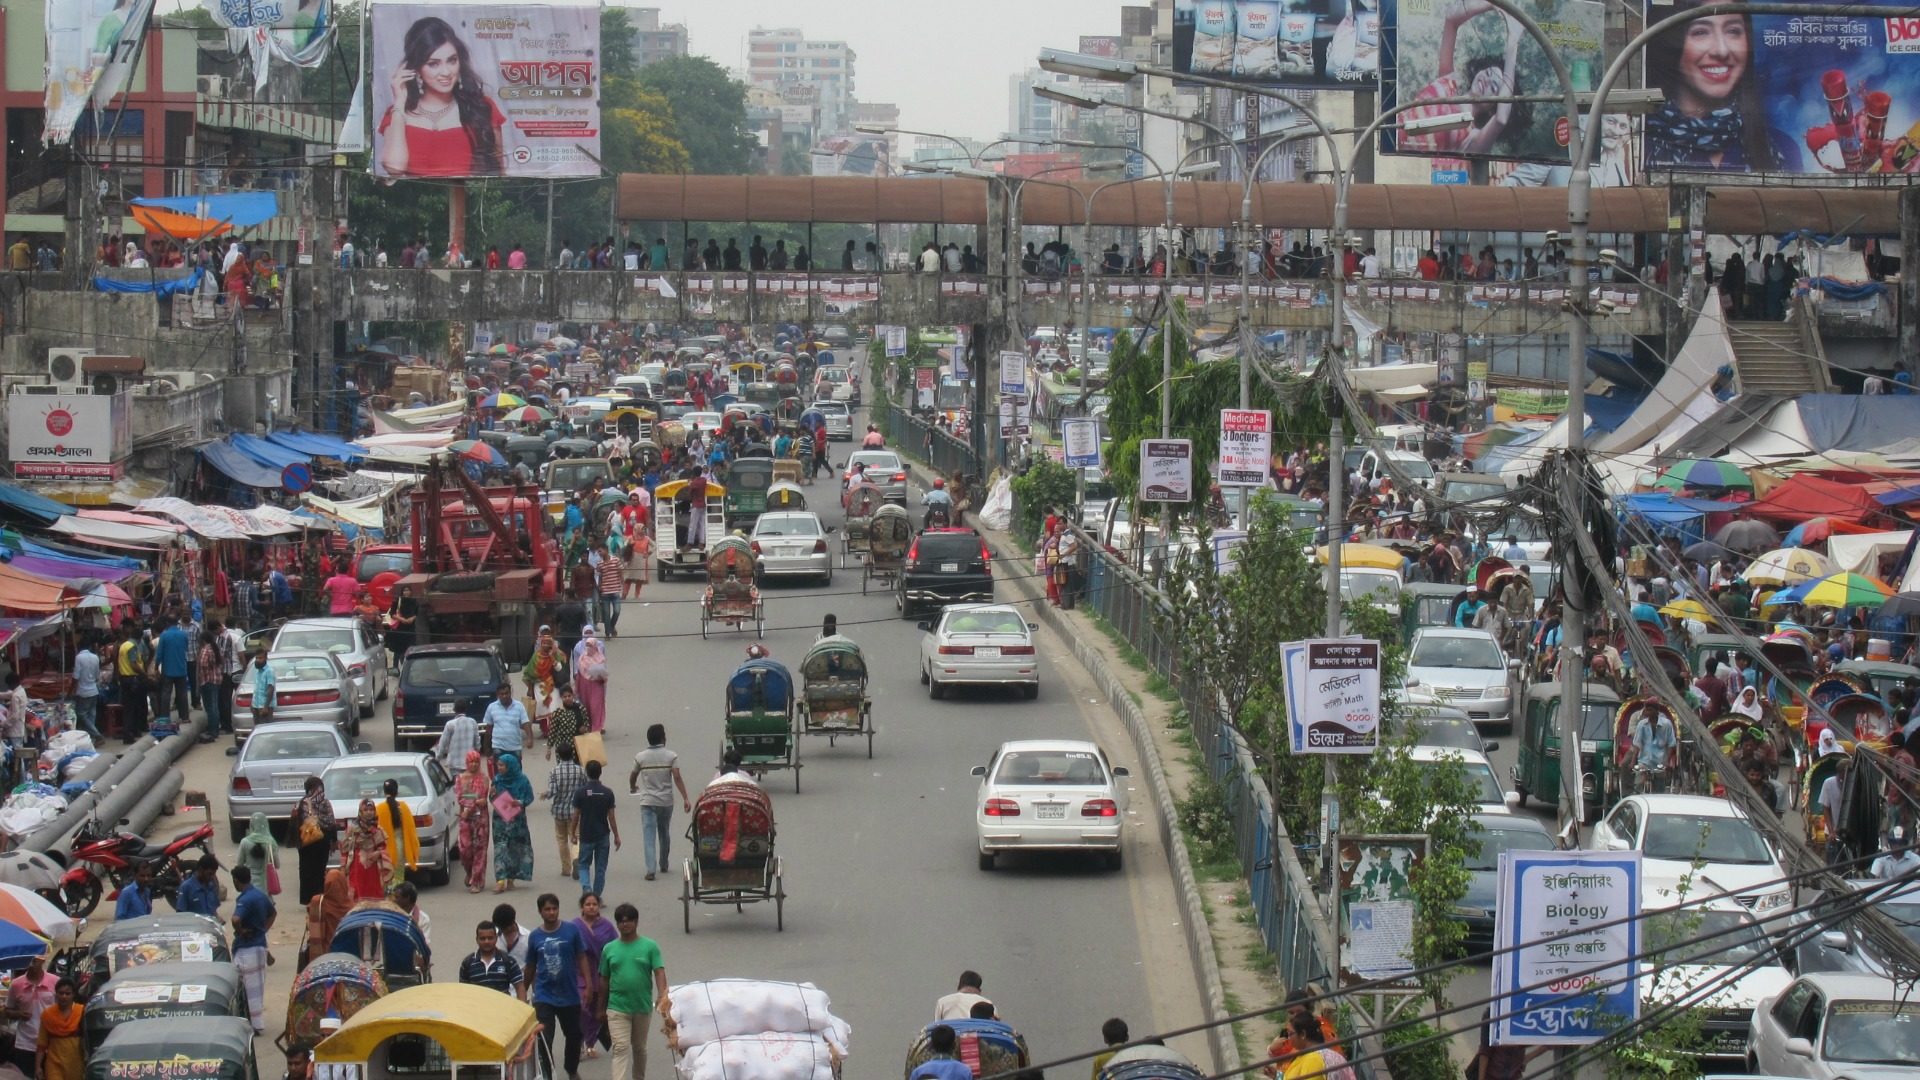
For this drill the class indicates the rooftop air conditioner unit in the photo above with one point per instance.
(54, 389)
(63, 364)
(214, 86)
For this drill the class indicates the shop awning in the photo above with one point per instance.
(16, 632)
(21, 591)
(202, 522)
(113, 532)
(122, 492)
(65, 569)
(238, 466)
(266, 453)
(362, 513)
(23, 503)
(316, 445)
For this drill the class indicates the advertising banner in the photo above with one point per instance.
(852, 155)
(1013, 371)
(896, 340)
(92, 46)
(1166, 470)
(1571, 921)
(1081, 438)
(1246, 447)
(486, 90)
(80, 436)
(1324, 44)
(1486, 54)
(924, 380)
(1808, 94)
(1377, 905)
(1333, 695)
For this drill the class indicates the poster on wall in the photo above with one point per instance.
(297, 32)
(1325, 44)
(1808, 94)
(1377, 906)
(92, 49)
(1468, 48)
(486, 90)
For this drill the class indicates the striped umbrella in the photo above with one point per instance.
(1785, 566)
(1847, 590)
(32, 912)
(1703, 473)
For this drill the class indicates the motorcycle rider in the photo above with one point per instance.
(873, 440)
(937, 501)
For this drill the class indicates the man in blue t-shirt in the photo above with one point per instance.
(253, 916)
(172, 654)
(556, 968)
(943, 1065)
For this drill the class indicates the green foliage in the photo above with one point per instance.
(1046, 485)
(1428, 1061)
(1669, 1048)
(1206, 821)
(709, 111)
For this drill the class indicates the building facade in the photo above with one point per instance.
(654, 41)
(786, 56)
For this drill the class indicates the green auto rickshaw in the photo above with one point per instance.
(1424, 603)
(748, 479)
(1537, 772)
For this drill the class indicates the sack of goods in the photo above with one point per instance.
(772, 1056)
(704, 1012)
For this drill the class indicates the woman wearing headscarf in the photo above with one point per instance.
(547, 664)
(596, 930)
(472, 792)
(326, 909)
(363, 854)
(1747, 704)
(403, 840)
(590, 664)
(260, 852)
(512, 843)
(315, 829)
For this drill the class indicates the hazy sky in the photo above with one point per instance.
(945, 64)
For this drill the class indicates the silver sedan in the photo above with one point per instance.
(271, 772)
(792, 543)
(307, 685)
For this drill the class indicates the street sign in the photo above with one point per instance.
(1332, 695)
(297, 478)
(896, 341)
(1081, 438)
(923, 384)
(1567, 920)
(1013, 371)
(1166, 470)
(1455, 177)
(1246, 447)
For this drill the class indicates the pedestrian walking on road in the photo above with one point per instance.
(62, 1051)
(563, 791)
(473, 793)
(557, 963)
(635, 981)
(592, 670)
(260, 852)
(656, 774)
(512, 843)
(596, 931)
(363, 852)
(314, 828)
(594, 828)
(403, 839)
(253, 916)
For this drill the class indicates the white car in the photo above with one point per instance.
(839, 419)
(1830, 1024)
(1050, 795)
(1674, 832)
(1464, 668)
(708, 422)
(346, 638)
(836, 384)
(1716, 958)
(979, 645)
(1488, 796)
(425, 790)
(792, 542)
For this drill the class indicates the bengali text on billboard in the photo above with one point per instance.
(486, 90)
(1468, 48)
(1300, 43)
(92, 48)
(1807, 94)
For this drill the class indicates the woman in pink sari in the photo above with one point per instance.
(590, 667)
(473, 792)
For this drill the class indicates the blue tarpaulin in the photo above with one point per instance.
(1669, 514)
(1847, 290)
(167, 287)
(1898, 496)
(269, 454)
(1859, 422)
(1605, 412)
(23, 503)
(241, 209)
(314, 445)
(49, 550)
(239, 466)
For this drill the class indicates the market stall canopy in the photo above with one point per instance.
(29, 630)
(238, 466)
(361, 513)
(192, 218)
(21, 591)
(50, 567)
(1804, 496)
(203, 521)
(113, 533)
(269, 454)
(315, 445)
(17, 501)
(122, 492)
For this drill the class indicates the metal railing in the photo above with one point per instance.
(947, 455)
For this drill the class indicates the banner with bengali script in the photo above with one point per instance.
(92, 48)
(485, 90)
(297, 32)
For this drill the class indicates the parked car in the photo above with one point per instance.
(348, 639)
(945, 566)
(425, 789)
(836, 384)
(307, 685)
(885, 471)
(270, 773)
(1838, 944)
(1464, 668)
(1830, 1025)
(979, 645)
(1050, 795)
(1708, 839)
(1479, 906)
(792, 542)
(439, 681)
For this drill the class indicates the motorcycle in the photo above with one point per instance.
(939, 516)
(98, 849)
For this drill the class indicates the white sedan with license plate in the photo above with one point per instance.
(792, 543)
(1050, 795)
(979, 645)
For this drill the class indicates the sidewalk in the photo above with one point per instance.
(1232, 969)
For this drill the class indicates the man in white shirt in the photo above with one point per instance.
(631, 260)
(566, 257)
(1370, 264)
(959, 1004)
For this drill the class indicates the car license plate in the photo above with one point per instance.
(1050, 811)
(289, 784)
(446, 708)
(990, 651)
(949, 567)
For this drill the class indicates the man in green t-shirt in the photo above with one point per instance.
(636, 977)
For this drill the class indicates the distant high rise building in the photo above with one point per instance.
(786, 57)
(652, 41)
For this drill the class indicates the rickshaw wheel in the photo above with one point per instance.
(703, 623)
(686, 898)
(779, 900)
(796, 778)
(759, 621)
(866, 575)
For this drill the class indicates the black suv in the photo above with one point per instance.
(945, 566)
(438, 682)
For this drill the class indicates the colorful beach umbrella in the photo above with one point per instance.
(503, 350)
(1688, 609)
(502, 400)
(475, 450)
(1703, 473)
(1786, 566)
(1811, 531)
(32, 912)
(1847, 590)
(529, 414)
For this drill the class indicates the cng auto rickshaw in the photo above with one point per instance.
(1424, 603)
(177, 1048)
(154, 939)
(1537, 772)
(479, 1032)
(633, 422)
(160, 992)
(748, 481)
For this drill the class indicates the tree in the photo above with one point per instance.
(709, 112)
(637, 131)
(616, 45)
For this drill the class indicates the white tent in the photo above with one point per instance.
(1860, 553)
